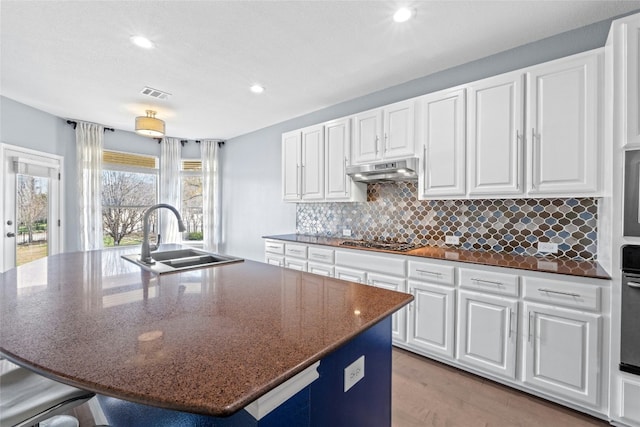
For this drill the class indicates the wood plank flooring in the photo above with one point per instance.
(429, 393)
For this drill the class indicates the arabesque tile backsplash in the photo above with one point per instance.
(393, 211)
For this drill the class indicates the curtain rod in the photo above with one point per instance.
(75, 124)
(186, 141)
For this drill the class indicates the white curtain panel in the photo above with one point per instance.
(170, 189)
(210, 195)
(89, 141)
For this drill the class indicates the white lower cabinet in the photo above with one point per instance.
(350, 274)
(399, 318)
(562, 351)
(431, 318)
(320, 269)
(486, 334)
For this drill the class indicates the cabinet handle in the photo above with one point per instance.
(299, 178)
(424, 165)
(534, 160)
(633, 284)
(529, 331)
(295, 251)
(569, 294)
(273, 247)
(344, 176)
(377, 140)
(319, 256)
(386, 142)
(486, 282)
(510, 321)
(518, 161)
(434, 273)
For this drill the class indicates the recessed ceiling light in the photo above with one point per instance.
(141, 41)
(403, 14)
(257, 88)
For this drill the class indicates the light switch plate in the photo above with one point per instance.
(346, 232)
(548, 247)
(353, 373)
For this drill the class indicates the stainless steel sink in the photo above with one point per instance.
(180, 260)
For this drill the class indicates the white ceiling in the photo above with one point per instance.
(74, 59)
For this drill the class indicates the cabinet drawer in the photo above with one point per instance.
(320, 269)
(321, 255)
(562, 293)
(297, 251)
(276, 260)
(295, 264)
(385, 264)
(489, 281)
(274, 247)
(431, 273)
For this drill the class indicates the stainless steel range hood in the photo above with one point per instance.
(393, 170)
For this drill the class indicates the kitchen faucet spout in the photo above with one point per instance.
(145, 253)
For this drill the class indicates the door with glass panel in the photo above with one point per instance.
(31, 212)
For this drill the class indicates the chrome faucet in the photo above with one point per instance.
(145, 253)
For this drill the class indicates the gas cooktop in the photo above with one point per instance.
(380, 244)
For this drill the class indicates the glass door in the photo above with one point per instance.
(31, 213)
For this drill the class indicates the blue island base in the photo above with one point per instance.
(322, 403)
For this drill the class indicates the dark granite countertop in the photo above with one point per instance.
(206, 341)
(543, 264)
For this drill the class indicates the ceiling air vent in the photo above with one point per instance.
(155, 93)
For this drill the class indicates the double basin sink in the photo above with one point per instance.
(181, 260)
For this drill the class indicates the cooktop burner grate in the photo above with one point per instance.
(373, 244)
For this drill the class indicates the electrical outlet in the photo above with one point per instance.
(548, 247)
(353, 373)
(452, 240)
(346, 232)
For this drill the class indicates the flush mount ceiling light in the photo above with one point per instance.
(142, 42)
(150, 126)
(404, 14)
(257, 88)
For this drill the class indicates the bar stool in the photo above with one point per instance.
(27, 398)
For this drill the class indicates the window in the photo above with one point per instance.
(129, 185)
(191, 193)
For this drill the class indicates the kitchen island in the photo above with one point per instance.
(207, 341)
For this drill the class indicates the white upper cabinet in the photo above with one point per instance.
(337, 146)
(314, 160)
(495, 127)
(291, 158)
(313, 163)
(442, 138)
(367, 131)
(563, 126)
(384, 133)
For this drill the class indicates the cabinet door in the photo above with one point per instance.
(399, 130)
(486, 334)
(631, 85)
(442, 121)
(495, 115)
(563, 122)
(291, 157)
(562, 352)
(431, 317)
(337, 145)
(313, 163)
(366, 144)
(350, 275)
(399, 318)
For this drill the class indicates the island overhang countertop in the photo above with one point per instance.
(207, 341)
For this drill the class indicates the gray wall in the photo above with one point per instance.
(251, 168)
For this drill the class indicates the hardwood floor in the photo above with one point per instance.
(429, 393)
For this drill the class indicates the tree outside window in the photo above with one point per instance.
(191, 210)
